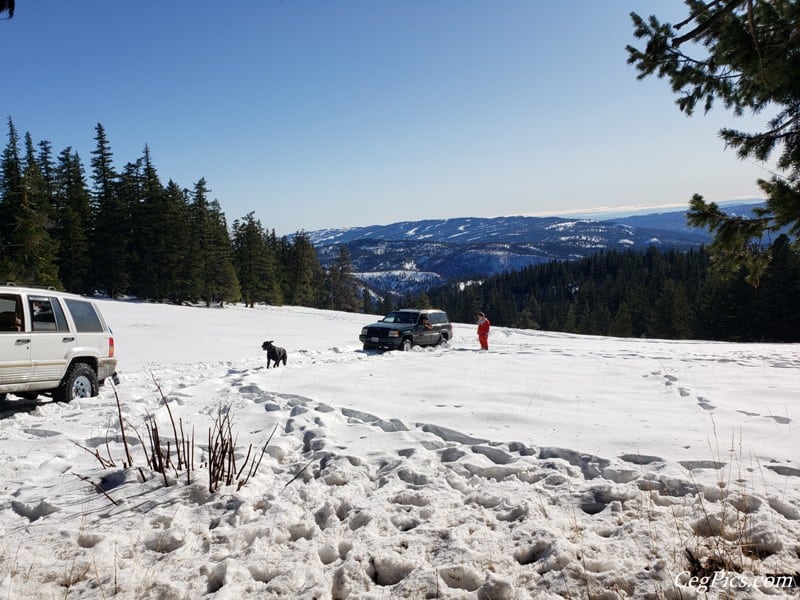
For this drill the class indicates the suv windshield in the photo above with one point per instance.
(400, 317)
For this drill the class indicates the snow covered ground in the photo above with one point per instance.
(552, 466)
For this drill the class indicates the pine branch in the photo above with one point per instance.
(707, 24)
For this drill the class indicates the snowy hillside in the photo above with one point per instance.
(551, 466)
(469, 247)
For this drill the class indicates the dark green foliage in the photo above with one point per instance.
(129, 234)
(110, 247)
(342, 286)
(27, 250)
(630, 294)
(73, 222)
(746, 55)
(386, 305)
(254, 260)
(210, 264)
(367, 305)
(303, 272)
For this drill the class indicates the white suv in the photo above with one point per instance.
(53, 343)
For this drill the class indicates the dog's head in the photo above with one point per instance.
(267, 345)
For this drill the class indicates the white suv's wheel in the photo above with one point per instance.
(80, 382)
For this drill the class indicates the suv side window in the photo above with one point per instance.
(84, 315)
(10, 313)
(46, 314)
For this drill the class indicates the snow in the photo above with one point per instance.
(551, 466)
(565, 225)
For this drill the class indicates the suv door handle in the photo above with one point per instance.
(68, 339)
(22, 341)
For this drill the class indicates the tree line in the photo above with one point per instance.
(126, 233)
(672, 294)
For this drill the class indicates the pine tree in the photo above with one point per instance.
(303, 272)
(342, 286)
(777, 301)
(112, 222)
(180, 261)
(744, 54)
(215, 274)
(621, 325)
(128, 194)
(367, 305)
(27, 251)
(386, 305)
(150, 231)
(223, 284)
(11, 191)
(254, 264)
(672, 313)
(72, 231)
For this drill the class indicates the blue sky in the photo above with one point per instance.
(348, 113)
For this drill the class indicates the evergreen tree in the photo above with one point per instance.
(112, 221)
(152, 221)
(128, 195)
(36, 222)
(671, 314)
(744, 54)
(213, 268)
(386, 305)
(777, 301)
(27, 251)
(47, 168)
(11, 187)
(422, 301)
(367, 305)
(73, 218)
(621, 325)
(303, 272)
(223, 282)
(179, 264)
(254, 264)
(275, 284)
(725, 307)
(342, 286)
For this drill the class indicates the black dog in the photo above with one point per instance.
(275, 354)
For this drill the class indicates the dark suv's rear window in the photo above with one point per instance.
(85, 317)
(438, 317)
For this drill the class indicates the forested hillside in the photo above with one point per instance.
(124, 232)
(652, 294)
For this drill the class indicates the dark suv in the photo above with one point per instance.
(403, 329)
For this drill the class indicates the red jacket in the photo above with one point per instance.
(483, 328)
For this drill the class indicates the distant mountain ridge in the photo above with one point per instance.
(411, 256)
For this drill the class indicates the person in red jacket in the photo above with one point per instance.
(483, 331)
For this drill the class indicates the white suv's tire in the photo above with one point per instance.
(80, 382)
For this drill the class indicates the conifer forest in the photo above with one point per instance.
(125, 232)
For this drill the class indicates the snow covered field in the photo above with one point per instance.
(553, 466)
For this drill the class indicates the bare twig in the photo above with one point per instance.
(97, 487)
